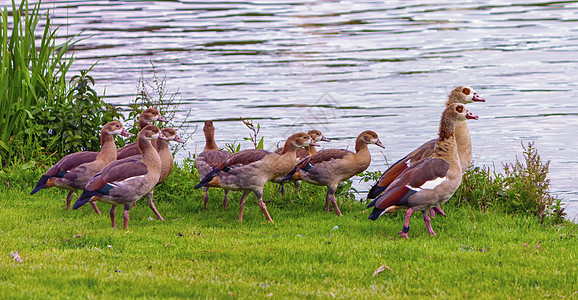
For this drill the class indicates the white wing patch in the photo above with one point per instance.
(430, 185)
(117, 183)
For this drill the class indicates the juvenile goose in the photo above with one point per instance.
(329, 167)
(209, 158)
(302, 153)
(166, 157)
(148, 116)
(429, 182)
(124, 181)
(249, 170)
(317, 136)
(460, 94)
(74, 171)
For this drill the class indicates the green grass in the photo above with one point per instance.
(306, 253)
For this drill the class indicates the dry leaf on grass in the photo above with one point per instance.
(381, 269)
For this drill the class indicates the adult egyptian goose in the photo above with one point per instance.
(210, 158)
(329, 167)
(431, 181)
(249, 170)
(302, 153)
(460, 94)
(74, 171)
(148, 116)
(124, 181)
(166, 157)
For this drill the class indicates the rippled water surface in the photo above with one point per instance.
(347, 66)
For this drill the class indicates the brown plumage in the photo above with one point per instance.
(460, 94)
(166, 157)
(302, 153)
(125, 181)
(249, 170)
(329, 167)
(209, 158)
(74, 171)
(148, 116)
(430, 182)
(165, 152)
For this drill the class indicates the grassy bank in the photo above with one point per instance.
(306, 253)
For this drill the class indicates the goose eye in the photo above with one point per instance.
(466, 91)
(460, 109)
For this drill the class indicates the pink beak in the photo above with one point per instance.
(125, 133)
(469, 115)
(178, 139)
(162, 119)
(477, 98)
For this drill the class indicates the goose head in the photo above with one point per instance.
(151, 132)
(171, 135)
(464, 94)
(370, 137)
(114, 128)
(317, 136)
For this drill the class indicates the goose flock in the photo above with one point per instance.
(423, 180)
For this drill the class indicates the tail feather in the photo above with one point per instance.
(85, 197)
(40, 185)
(375, 191)
(376, 213)
(205, 181)
(372, 204)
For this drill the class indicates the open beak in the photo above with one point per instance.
(469, 115)
(378, 143)
(125, 133)
(477, 98)
(324, 139)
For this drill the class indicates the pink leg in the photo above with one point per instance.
(427, 222)
(68, 200)
(438, 210)
(225, 199)
(259, 195)
(334, 202)
(242, 206)
(152, 205)
(264, 210)
(112, 213)
(405, 230)
(126, 218)
(205, 197)
(327, 199)
(94, 207)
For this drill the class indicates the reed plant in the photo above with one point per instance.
(42, 114)
(32, 73)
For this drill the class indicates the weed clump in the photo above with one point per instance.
(523, 188)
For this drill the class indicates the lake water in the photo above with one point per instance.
(348, 66)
